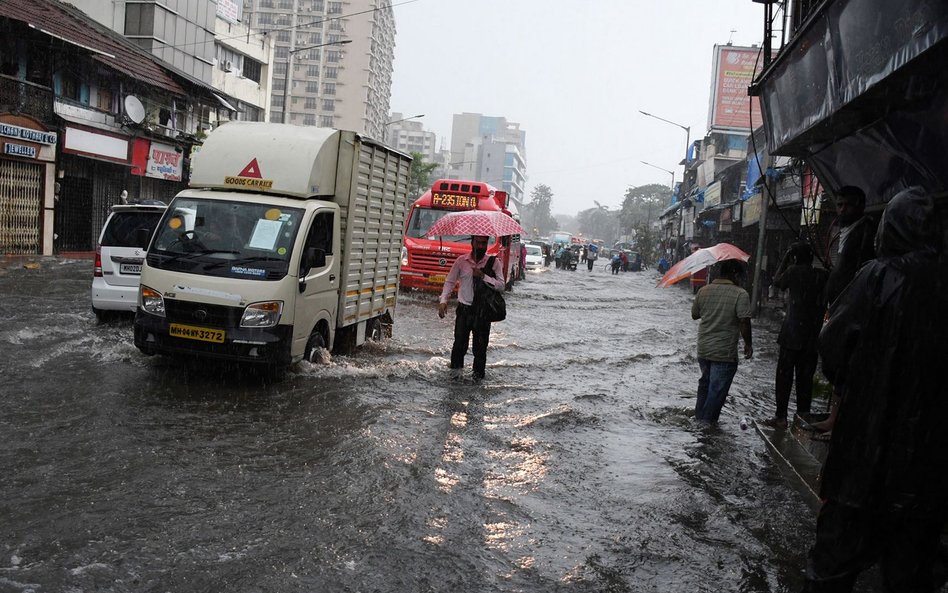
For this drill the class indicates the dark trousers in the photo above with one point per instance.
(850, 540)
(713, 387)
(465, 323)
(589, 264)
(801, 363)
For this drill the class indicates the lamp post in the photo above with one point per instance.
(687, 130)
(287, 79)
(662, 169)
(420, 115)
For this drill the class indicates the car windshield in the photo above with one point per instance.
(534, 250)
(122, 228)
(423, 219)
(225, 238)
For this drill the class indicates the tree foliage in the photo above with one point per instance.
(537, 213)
(642, 205)
(598, 223)
(419, 178)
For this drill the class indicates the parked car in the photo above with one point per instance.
(119, 255)
(534, 256)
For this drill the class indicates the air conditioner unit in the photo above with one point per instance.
(228, 66)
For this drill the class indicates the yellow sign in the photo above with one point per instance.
(248, 182)
(191, 332)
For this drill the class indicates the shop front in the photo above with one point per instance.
(27, 185)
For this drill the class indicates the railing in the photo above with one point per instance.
(20, 96)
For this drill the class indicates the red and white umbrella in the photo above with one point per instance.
(491, 223)
(700, 260)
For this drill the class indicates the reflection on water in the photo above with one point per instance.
(574, 466)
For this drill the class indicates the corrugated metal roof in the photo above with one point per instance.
(106, 46)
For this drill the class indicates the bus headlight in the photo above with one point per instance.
(151, 301)
(265, 314)
(404, 256)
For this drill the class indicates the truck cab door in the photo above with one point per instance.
(318, 278)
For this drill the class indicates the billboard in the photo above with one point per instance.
(733, 73)
(230, 10)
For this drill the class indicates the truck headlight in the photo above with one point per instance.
(151, 301)
(404, 256)
(265, 314)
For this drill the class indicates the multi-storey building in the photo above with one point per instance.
(329, 83)
(489, 149)
(410, 136)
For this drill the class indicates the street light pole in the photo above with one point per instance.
(665, 170)
(287, 79)
(687, 130)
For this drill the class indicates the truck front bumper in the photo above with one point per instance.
(270, 345)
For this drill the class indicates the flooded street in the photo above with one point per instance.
(575, 466)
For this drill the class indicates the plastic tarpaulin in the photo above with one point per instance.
(860, 94)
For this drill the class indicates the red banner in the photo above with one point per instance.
(731, 107)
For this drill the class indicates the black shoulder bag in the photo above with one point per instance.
(489, 304)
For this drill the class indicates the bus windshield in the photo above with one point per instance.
(423, 219)
(224, 238)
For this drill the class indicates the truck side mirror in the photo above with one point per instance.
(142, 237)
(313, 257)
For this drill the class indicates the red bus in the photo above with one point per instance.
(426, 260)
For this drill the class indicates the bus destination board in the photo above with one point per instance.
(453, 201)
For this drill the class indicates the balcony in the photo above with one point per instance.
(20, 96)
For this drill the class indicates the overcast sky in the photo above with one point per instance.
(574, 75)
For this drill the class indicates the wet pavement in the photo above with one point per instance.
(575, 466)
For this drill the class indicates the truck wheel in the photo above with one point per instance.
(100, 315)
(373, 329)
(313, 346)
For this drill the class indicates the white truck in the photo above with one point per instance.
(288, 241)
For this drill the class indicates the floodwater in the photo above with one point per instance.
(575, 466)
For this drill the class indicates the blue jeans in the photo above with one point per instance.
(713, 386)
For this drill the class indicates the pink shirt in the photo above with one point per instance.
(463, 270)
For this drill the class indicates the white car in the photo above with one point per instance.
(534, 257)
(119, 256)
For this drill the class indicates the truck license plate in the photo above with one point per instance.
(437, 279)
(135, 269)
(191, 332)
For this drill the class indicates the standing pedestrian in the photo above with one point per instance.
(468, 269)
(616, 262)
(591, 256)
(724, 310)
(800, 330)
(853, 239)
(885, 483)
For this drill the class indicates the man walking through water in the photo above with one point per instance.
(468, 269)
(724, 310)
(885, 480)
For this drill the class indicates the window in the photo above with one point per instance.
(282, 52)
(279, 69)
(263, 18)
(311, 102)
(314, 55)
(329, 88)
(286, 4)
(309, 119)
(252, 69)
(332, 56)
(320, 233)
(329, 104)
(318, 6)
(139, 19)
(335, 8)
(283, 36)
(313, 71)
(316, 38)
(325, 121)
(312, 86)
(335, 25)
(333, 38)
(332, 72)
(266, 3)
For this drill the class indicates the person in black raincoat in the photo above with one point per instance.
(885, 480)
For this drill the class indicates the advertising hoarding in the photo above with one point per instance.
(733, 73)
(229, 10)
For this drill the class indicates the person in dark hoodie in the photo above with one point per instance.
(885, 480)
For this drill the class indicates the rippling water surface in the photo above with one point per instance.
(575, 466)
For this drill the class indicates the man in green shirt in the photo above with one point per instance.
(724, 310)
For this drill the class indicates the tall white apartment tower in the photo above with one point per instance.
(339, 86)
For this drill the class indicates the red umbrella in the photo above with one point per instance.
(700, 260)
(492, 223)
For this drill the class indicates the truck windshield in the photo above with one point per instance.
(423, 219)
(224, 238)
